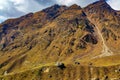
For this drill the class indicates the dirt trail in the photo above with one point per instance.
(106, 51)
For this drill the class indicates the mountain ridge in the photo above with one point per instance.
(72, 35)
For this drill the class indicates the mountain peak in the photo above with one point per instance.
(54, 7)
(100, 2)
(100, 5)
(74, 6)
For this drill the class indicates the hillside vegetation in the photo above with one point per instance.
(62, 43)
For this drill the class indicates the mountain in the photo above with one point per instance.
(107, 20)
(60, 42)
(118, 12)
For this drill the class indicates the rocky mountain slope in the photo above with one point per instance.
(62, 43)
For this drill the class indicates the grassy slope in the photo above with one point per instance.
(51, 43)
(71, 72)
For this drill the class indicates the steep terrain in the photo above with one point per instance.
(118, 12)
(62, 43)
(107, 20)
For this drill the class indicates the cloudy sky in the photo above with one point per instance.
(16, 8)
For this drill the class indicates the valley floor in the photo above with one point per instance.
(96, 70)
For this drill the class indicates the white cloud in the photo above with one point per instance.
(115, 4)
(3, 4)
(16, 8)
(16, 2)
(26, 5)
(66, 2)
(2, 18)
(82, 3)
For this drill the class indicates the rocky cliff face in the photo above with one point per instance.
(78, 37)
